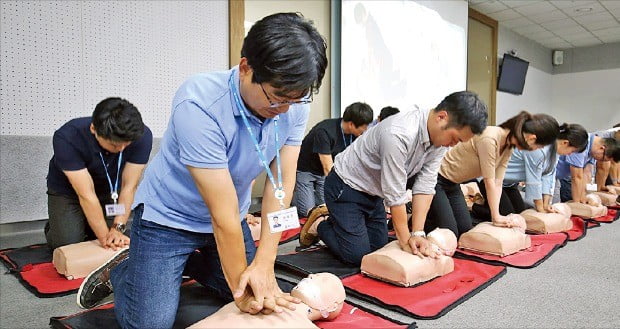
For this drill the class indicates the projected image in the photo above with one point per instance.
(399, 53)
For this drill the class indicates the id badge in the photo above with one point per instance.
(283, 220)
(591, 187)
(114, 209)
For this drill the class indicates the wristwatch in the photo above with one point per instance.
(121, 227)
(419, 234)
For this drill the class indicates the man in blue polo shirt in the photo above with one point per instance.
(225, 128)
(93, 175)
(570, 168)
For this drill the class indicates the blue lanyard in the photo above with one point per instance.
(278, 189)
(344, 140)
(113, 191)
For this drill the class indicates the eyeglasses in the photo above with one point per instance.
(304, 100)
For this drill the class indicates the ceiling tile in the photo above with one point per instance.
(557, 45)
(526, 30)
(567, 4)
(594, 17)
(489, 7)
(517, 22)
(569, 31)
(505, 15)
(610, 38)
(615, 12)
(536, 8)
(581, 10)
(586, 42)
(518, 3)
(551, 39)
(541, 35)
(562, 23)
(578, 36)
(611, 32)
(548, 16)
(610, 4)
(592, 26)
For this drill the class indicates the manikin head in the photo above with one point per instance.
(563, 209)
(444, 239)
(323, 293)
(593, 200)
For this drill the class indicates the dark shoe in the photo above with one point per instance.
(306, 238)
(97, 286)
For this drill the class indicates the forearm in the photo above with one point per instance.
(602, 170)
(578, 188)
(94, 215)
(420, 205)
(125, 198)
(539, 205)
(231, 250)
(494, 193)
(326, 162)
(399, 221)
(547, 200)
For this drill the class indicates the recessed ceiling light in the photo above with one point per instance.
(583, 10)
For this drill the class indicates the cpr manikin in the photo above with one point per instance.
(562, 208)
(543, 223)
(495, 240)
(607, 198)
(322, 296)
(443, 240)
(400, 267)
(77, 260)
(591, 209)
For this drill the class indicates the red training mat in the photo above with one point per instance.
(352, 317)
(579, 229)
(429, 300)
(543, 246)
(43, 280)
(612, 215)
(289, 235)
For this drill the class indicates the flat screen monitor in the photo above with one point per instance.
(512, 74)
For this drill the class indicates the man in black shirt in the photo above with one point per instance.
(318, 149)
(96, 166)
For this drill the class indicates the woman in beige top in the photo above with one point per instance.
(484, 156)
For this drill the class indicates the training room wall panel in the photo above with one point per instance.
(60, 58)
(588, 98)
(536, 97)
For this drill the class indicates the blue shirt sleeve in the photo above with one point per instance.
(200, 140)
(534, 161)
(299, 120)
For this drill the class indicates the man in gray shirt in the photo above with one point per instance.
(377, 166)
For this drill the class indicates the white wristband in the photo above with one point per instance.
(419, 234)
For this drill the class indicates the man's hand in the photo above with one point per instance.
(549, 208)
(420, 246)
(115, 240)
(258, 291)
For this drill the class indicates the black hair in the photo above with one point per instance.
(117, 120)
(612, 148)
(465, 108)
(544, 126)
(387, 111)
(577, 137)
(286, 51)
(358, 113)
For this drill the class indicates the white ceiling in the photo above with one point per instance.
(557, 24)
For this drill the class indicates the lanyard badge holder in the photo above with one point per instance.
(113, 209)
(285, 218)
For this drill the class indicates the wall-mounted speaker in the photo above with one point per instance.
(558, 57)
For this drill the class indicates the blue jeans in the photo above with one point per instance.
(308, 192)
(146, 285)
(357, 222)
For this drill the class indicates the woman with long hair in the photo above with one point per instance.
(485, 156)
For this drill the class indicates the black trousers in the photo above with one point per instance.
(448, 208)
(510, 202)
(67, 223)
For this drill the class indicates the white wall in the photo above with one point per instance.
(536, 97)
(591, 98)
